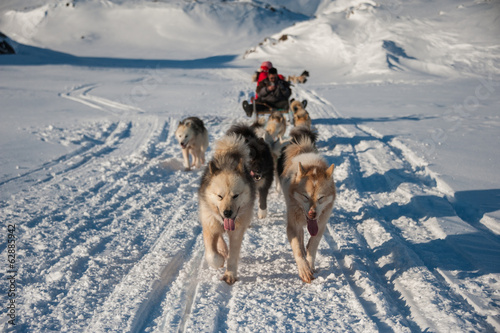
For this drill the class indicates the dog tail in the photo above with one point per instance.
(231, 149)
(242, 129)
(300, 133)
(303, 140)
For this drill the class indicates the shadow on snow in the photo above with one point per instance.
(35, 56)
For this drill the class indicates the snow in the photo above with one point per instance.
(404, 96)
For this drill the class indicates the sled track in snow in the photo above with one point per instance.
(395, 193)
(112, 241)
(77, 216)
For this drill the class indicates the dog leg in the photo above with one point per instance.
(296, 238)
(312, 246)
(202, 154)
(199, 158)
(222, 247)
(263, 202)
(194, 155)
(185, 155)
(235, 240)
(192, 152)
(212, 256)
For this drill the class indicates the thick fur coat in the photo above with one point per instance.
(300, 115)
(193, 139)
(309, 191)
(226, 199)
(261, 163)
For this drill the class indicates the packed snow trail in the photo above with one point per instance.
(110, 240)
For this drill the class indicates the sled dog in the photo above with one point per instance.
(276, 125)
(261, 163)
(226, 198)
(193, 138)
(309, 191)
(300, 115)
(302, 78)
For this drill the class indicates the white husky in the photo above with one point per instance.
(226, 199)
(193, 138)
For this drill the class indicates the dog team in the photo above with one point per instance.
(245, 162)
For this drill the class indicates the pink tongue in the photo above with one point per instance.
(312, 227)
(229, 224)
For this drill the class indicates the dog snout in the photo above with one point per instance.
(228, 213)
(311, 214)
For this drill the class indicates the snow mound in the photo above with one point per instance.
(146, 30)
(356, 39)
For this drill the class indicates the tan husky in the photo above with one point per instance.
(300, 115)
(226, 199)
(193, 138)
(309, 190)
(276, 125)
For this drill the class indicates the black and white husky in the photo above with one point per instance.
(261, 163)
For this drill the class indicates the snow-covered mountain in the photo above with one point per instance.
(103, 221)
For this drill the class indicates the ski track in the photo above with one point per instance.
(109, 240)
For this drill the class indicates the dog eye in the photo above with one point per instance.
(220, 197)
(235, 196)
(305, 196)
(320, 200)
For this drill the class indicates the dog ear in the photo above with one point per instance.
(329, 171)
(301, 171)
(212, 167)
(241, 166)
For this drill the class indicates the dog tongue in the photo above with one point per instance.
(312, 227)
(229, 224)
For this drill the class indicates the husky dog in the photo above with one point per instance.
(302, 78)
(193, 138)
(300, 115)
(226, 199)
(309, 192)
(261, 163)
(274, 145)
(276, 125)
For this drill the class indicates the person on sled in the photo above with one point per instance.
(273, 93)
(263, 72)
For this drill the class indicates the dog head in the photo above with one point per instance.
(184, 133)
(260, 158)
(314, 191)
(229, 191)
(296, 106)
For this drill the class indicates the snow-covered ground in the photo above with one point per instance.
(405, 98)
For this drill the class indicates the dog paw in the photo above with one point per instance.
(215, 260)
(305, 273)
(262, 213)
(229, 278)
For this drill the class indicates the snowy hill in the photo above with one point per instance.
(404, 97)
